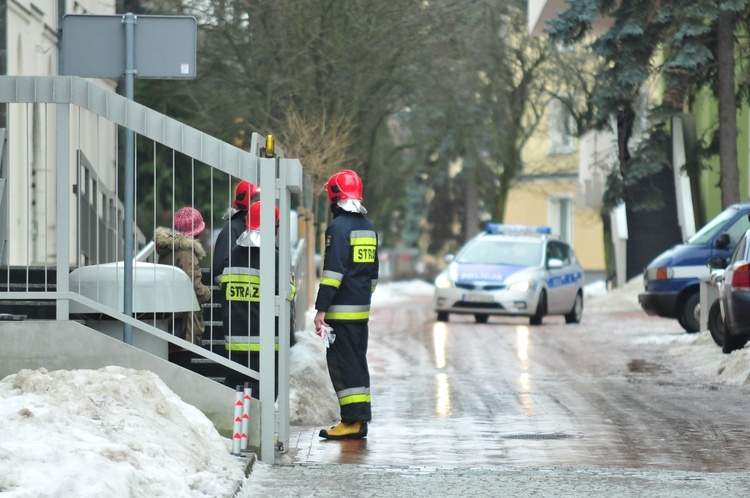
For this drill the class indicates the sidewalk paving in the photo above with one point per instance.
(357, 481)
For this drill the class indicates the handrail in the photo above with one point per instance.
(146, 252)
(140, 325)
(132, 115)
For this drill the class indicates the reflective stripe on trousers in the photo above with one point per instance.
(347, 366)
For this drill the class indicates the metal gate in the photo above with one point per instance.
(60, 208)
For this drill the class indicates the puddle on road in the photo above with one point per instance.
(647, 367)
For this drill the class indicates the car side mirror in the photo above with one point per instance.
(717, 263)
(449, 258)
(554, 263)
(722, 241)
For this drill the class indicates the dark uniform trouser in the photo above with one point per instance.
(347, 366)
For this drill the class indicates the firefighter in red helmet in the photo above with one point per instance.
(244, 195)
(240, 286)
(350, 274)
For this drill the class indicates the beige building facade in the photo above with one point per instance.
(550, 201)
(548, 191)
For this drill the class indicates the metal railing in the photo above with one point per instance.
(60, 211)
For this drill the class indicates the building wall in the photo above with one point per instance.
(549, 177)
(540, 11)
(33, 51)
(529, 204)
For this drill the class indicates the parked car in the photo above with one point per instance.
(512, 270)
(672, 279)
(715, 319)
(734, 295)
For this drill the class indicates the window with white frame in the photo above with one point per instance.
(560, 126)
(560, 216)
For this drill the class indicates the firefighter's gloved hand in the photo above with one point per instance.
(320, 321)
(326, 333)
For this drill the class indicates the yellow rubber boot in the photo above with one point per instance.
(355, 430)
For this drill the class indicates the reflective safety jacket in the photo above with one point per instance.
(225, 242)
(240, 284)
(350, 268)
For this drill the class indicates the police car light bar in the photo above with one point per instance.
(518, 229)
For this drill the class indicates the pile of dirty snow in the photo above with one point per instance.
(113, 432)
(598, 298)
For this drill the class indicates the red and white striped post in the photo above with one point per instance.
(245, 416)
(237, 439)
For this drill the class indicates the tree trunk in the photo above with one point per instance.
(511, 169)
(471, 204)
(610, 263)
(730, 180)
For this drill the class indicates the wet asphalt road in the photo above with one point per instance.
(507, 396)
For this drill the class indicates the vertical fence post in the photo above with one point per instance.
(62, 204)
(268, 277)
(284, 315)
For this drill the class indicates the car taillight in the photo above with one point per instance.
(741, 277)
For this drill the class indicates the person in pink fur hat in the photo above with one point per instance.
(179, 247)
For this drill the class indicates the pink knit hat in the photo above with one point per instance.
(189, 221)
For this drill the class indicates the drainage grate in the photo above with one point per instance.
(540, 436)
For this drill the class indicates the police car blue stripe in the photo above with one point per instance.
(561, 280)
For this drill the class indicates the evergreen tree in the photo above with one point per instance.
(691, 45)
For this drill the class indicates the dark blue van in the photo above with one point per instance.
(672, 279)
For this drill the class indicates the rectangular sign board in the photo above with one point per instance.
(94, 46)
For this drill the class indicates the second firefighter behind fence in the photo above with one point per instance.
(240, 283)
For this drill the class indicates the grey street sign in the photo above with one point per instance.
(94, 46)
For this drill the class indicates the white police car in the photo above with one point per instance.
(512, 270)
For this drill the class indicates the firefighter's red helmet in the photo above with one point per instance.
(252, 221)
(243, 195)
(345, 184)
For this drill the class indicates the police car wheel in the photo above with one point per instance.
(577, 312)
(689, 314)
(481, 317)
(716, 324)
(541, 310)
(442, 316)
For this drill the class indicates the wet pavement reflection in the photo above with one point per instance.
(461, 394)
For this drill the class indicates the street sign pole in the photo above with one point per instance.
(162, 47)
(129, 19)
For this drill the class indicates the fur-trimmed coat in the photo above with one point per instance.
(177, 249)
